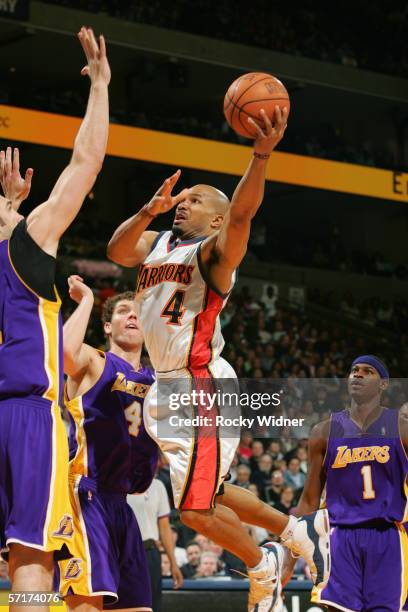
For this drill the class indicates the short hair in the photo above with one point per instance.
(192, 543)
(110, 304)
(209, 554)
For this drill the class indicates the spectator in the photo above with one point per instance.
(275, 450)
(208, 566)
(193, 551)
(273, 492)
(202, 541)
(243, 476)
(287, 500)
(165, 566)
(262, 476)
(152, 511)
(293, 476)
(257, 452)
(245, 447)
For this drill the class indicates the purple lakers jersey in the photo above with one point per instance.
(31, 359)
(366, 471)
(108, 442)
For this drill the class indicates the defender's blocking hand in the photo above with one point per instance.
(15, 187)
(97, 67)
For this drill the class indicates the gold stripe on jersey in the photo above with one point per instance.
(78, 464)
(1, 337)
(48, 313)
(405, 515)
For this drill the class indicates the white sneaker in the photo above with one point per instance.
(310, 539)
(265, 586)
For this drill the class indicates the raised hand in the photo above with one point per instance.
(268, 137)
(77, 289)
(15, 187)
(97, 67)
(163, 200)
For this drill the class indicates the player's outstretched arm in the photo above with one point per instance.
(223, 253)
(48, 222)
(131, 243)
(15, 187)
(78, 356)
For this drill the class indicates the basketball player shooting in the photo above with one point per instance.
(35, 513)
(184, 280)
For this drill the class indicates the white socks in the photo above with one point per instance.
(287, 533)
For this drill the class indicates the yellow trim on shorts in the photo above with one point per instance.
(81, 583)
(405, 516)
(404, 562)
(58, 523)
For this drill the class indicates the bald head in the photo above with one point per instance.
(217, 198)
(201, 212)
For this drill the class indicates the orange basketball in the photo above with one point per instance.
(247, 95)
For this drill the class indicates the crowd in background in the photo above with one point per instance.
(350, 35)
(327, 140)
(269, 341)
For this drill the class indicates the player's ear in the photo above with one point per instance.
(107, 328)
(384, 384)
(216, 221)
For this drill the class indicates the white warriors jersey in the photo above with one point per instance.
(177, 309)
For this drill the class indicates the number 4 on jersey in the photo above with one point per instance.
(174, 310)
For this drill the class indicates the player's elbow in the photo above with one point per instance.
(91, 162)
(113, 252)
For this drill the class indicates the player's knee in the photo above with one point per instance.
(195, 519)
(30, 567)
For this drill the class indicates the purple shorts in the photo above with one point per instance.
(369, 569)
(35, 509)
(109, 556)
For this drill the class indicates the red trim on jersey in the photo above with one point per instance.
(202, 481)
(200, 354)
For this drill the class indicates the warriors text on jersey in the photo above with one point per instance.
(178, 311)
(108, 442)
(366, 471)
(30, 322)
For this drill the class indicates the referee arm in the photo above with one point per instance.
(166, 539)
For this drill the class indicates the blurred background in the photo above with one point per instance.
(326, 274)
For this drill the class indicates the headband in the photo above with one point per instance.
(373, 361)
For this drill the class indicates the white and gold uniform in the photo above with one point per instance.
(179, 315)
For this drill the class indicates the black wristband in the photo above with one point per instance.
(261, 155)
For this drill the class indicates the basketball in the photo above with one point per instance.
(247, 95)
